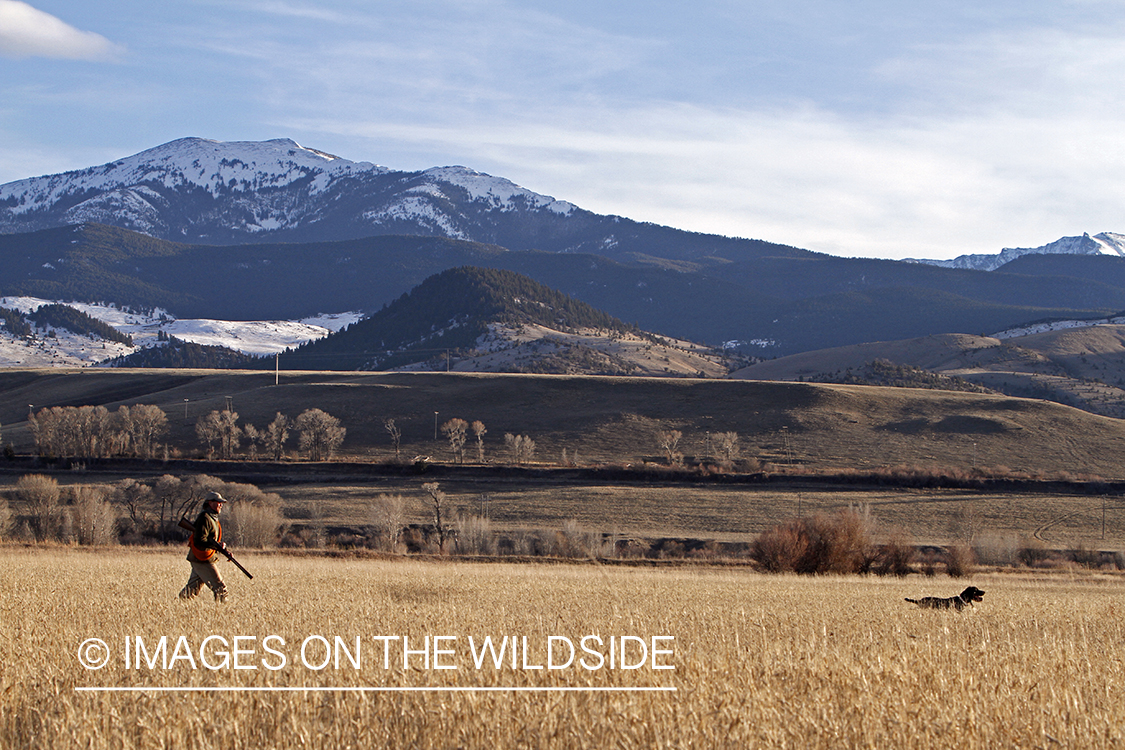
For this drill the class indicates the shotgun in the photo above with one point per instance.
(189, 526)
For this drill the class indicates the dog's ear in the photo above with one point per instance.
(969, 593)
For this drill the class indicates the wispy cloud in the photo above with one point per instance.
(28, 32)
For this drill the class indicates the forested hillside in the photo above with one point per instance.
(448, 311)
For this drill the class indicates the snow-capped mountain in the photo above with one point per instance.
(1106, 243)
(199, 191)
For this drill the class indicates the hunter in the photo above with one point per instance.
(205, 541)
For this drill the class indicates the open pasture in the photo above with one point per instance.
(760, 661)
(738, 513)
(607, 420)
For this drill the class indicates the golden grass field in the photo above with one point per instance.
(760, 661)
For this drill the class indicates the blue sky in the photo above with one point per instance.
(866, 128)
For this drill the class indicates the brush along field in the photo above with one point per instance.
(758, 661)
(737, 513)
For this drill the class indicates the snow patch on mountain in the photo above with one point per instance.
(61, 348)
(496, 191)
(421, 211)
(1056, 325)
(1106, 243)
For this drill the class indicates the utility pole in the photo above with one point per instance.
(276, 366)
(435, 425)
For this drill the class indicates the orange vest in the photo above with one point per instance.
(205, 555)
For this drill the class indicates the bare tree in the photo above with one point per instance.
(145, 425)
(221, 428)
(478, 432)
(275, 436)
(178, 497)
(136, 497)
(456, 430)
(5, 518)
(73, 431)
(395, 433)
(475, 536)
(230, 433)
(317, 534)
(40, 495)
(388, 516)
(320, 434)
(521, 448)
(254, 520)
(94, 520)
(727, 444)
(669, 441)
(438, 509)
(254, 438)
(209, 432)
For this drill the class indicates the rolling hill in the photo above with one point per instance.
(475, 319)
(611, 420)
(1078, 365)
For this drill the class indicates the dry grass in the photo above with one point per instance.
(737, 513)
(760, 661)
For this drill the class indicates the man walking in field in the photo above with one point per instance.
(205, 541)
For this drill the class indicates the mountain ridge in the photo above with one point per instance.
(201, 191)
(1104, 243)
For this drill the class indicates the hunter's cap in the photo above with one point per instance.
(214, 497)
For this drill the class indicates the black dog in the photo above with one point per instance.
(959, 602)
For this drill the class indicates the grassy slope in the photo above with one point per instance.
(1082, 367)
(613, 419)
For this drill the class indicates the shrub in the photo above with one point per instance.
(959, 561)
(5, 518)
(895, 556)
(1032, 553)
(779, 549)
(94, 519)
(388, 516)
(1086, 557)
(839, 543)
(40, 495)
(475, 536)
(997, 550)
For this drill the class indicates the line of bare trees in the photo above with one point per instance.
(319, 435)
(135, 512)
(90, 432)
(456, 430)
(722, 445)
(95, 432)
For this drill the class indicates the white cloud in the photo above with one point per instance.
(28, 32)
(876, 187)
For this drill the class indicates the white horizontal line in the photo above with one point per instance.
(485, 689)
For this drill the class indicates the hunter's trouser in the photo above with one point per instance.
(204, 573)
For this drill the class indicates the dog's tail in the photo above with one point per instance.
(912, 601)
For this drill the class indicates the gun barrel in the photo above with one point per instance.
(237, 564)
